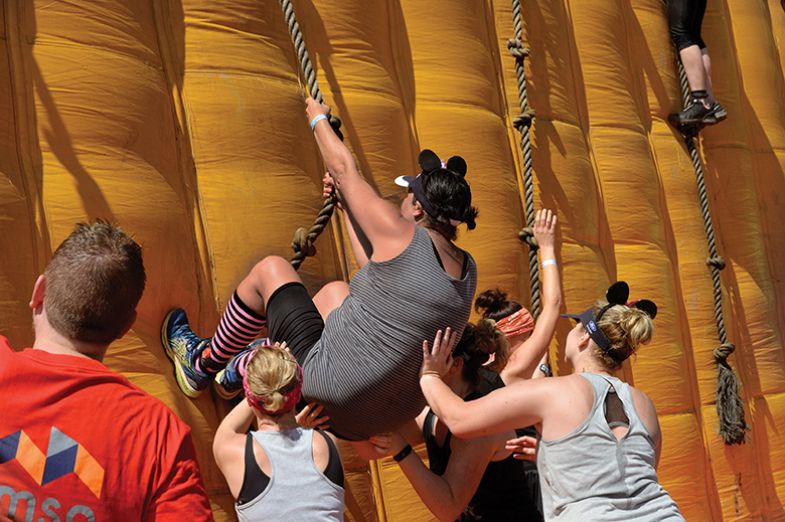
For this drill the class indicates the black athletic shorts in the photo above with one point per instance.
(292, 317)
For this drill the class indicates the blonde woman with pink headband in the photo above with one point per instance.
(280, 471)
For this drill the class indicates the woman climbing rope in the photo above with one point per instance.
(482, 479)
(466, 479)
(600, 439)
(360, 364)
(280, 471)
(685, 18)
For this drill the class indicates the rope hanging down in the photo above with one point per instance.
(303, 240)
(730, 408)
(523, 123)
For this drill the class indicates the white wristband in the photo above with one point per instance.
(548, 262)
(316, 119)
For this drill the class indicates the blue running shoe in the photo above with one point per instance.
(229, 381)
(183, 346)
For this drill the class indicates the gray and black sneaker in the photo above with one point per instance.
(718, 113)
(695, 114)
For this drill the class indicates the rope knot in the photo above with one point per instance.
(723, 351)
(716, 262)
(517, 49)
(335, 123)
(302, 244)
(526, 235)
(524, 119)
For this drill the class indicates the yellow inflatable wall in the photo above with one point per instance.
(182, 121)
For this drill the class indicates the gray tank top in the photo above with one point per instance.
(365, 367)
(297, 489)
(589, 475)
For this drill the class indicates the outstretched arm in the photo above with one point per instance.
(525, 358)
(378, 220)
(504, 409)
(446, 496)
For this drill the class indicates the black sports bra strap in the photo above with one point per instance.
(334, 469)
(254, 479)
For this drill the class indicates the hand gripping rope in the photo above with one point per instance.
(303, 240)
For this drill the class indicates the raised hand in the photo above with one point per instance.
(309, 417)
(545, 228)
(437, 361)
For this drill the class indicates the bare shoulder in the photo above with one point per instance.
(321, 448)
(646, 411)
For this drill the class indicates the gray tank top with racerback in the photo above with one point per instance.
(590, 475)
(297, 489)
(365, 367)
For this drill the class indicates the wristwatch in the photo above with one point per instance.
(403, 453)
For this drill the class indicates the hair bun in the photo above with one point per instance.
(490, 301)
(637, 324)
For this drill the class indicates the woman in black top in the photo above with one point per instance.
(476, 479)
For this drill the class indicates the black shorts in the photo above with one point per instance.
(292, 317)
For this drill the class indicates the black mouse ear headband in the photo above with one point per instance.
(429, 161)
(619, 293)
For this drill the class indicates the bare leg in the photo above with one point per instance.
(330, 297)
(707, 70)
(267, 276)
(692, 60)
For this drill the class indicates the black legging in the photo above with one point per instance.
(684, 21)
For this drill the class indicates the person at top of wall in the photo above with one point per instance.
(599, 437)
(685, 18)
(280, 471)
(356, 343)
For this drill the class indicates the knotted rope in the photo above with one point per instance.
(730, 408)
(523, 123)
(303, 241)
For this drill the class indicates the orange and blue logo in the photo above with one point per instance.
(63, 456)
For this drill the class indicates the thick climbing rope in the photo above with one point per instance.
(303, 241)
(523, 123)
(730, 409)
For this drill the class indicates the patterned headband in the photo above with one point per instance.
(518, 323)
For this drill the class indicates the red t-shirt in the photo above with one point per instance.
(80, 442)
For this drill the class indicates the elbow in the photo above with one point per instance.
(450, 514)
(460, 428)
(217, 447)
(339, 165)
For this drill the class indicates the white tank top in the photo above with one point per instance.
(590, 475)
(297, 490)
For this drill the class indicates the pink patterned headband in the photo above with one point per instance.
(258, 402)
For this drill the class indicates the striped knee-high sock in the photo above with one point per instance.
(241, 361)
(238, 327)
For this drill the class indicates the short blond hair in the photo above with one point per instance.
(271, 375)
(626, 328)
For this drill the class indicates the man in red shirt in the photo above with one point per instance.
(77, 440)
